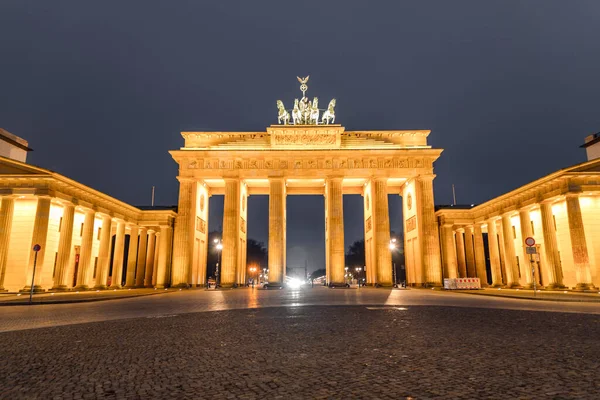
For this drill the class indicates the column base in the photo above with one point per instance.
(514, 286)
(180, 286)
(496, 285)
(555, 286)
(384, 284)
(82, 287)
(36, 289)
(60, 288)
(100, 287)
(116, 287)
(581, 287)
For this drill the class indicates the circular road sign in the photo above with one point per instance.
(37, 247)
(530, 241)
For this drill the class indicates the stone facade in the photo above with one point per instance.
(560, 211)
(76, 227)
(309, 159)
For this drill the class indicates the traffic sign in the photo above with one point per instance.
(37, 247)
(530, 241)
(531, 250)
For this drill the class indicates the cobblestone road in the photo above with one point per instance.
(310, 352)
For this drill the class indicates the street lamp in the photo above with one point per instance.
(392, 248)
(253, 270)
(358, 269)
(346, 274)
(219, 247)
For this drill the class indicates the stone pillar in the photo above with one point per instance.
(276, 230)
(460, 254)
(526, 231)
(480, 256)
(184, 232)
(140, 271)
(163, 251)
(64, 247)
(551, 248)
(85, 257)
(118, 256)
(6, 216)
(335, 212)
(132, 256)
(103, 253)
(381, 226)
(40, 233)
(450, 264)
(150, 259)
(231, 228)
(578, 245)
(155, 267)
(494, 253)
(512, 269)
(430, 243)
(470, 252)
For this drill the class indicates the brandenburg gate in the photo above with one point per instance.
(306, 154)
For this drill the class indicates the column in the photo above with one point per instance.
(85, 256)
(141, 258)
(276, 230)
(381, 226)
(64, 247)
(470, 252)
(525, 222)
(118, 256)
(450, 264)
(430, 243)
(460, 254)
(150, 259)
(6, 217)
(494, 253)
(231, 227)
(184, 232)
(578, 244)
(551, 247)
(132, 256)
(480, 256)
(40, 233)
(335, 212)
(512, 269)
(163, 250)
(155, 266)
(103, 253)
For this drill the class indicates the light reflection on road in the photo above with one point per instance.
(190, 301)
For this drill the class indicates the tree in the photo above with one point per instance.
(256, 257)
(355, 257)
(318, 273)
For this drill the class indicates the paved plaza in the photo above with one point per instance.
(306, 343)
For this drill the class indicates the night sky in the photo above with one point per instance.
(102, 89)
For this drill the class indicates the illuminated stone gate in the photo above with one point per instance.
(309, 157)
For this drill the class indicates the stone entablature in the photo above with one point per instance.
(303, 136)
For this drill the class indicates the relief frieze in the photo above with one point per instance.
(317, 163)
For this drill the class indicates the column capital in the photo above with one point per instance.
(186, 179)
(510, 212)
(573, 194)
(428, 177)
(460, 229)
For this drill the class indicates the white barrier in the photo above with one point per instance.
(461, 283)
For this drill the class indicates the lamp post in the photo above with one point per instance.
(253, 270)
(358, 269)
(346, 275)
(392, 248)
(219, 247)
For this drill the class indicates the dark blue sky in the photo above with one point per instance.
(101, 90)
